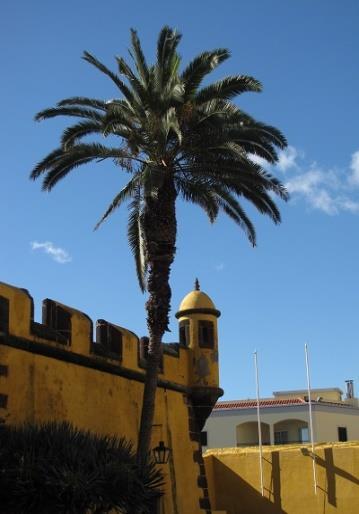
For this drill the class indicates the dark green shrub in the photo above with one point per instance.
(57, 469)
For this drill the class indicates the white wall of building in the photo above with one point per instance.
(221, 426)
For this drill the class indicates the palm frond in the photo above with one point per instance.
(73, 134)
(47, 162)
(263, 203)
(275, 135)
(217, 112)
(57, 168)
(68, 111)
(125, 194)
(135, 238)
(170, 124)
(228, 88)
(167, 43)
(140, 97)
(127, 93)
(199, 192)
(94, 103)
(251, 145)
(118, 114)
(234, 210)
(199, 67)
(237, 174)
(100, 66)
(167, 58)
(139, 58)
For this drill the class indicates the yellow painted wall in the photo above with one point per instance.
(327, 394)
(42, 387)
(234, 480)
(203, 367)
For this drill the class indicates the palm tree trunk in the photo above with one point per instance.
(159, 226)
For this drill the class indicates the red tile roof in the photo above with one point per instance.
(252, 404)
(272, 402)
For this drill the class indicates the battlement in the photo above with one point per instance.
(67, 334)
(92, 374)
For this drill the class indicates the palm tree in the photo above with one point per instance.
(57, 468)
(176, 139)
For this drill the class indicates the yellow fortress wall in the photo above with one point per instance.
(55, 371)
(234, 480)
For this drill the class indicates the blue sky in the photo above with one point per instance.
(301, 282)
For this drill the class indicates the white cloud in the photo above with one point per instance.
(304, 183)
(313, 187)
(331, 191)
(287, 158)
(354, 166)
(258, 160)
(349, 205)
(58, 254)
(323, 201)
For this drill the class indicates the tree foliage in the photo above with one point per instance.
(56, 468)
(168, 124)
(175, 136)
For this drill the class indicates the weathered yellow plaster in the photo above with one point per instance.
(234, 479)
(48, 380)
(203, 367)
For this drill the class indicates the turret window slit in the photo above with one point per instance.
(205, 334)
(184, 332)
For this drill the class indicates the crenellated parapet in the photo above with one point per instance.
(69, 334)
(92, 374)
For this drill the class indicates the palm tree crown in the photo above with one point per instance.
(168, 125)
(176, 138)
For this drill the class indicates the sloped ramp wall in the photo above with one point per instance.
(234, 480)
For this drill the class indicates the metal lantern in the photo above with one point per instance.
(161, 453)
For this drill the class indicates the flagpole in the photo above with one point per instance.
(310, 417)
(259, 423)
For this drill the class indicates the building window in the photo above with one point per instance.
(303, 434)
(204, 440)
(342, 434)
(184, 332)
(205, 334)
(281, 437)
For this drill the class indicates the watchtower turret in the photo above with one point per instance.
(197, 316)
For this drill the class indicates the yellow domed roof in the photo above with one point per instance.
(197, 301)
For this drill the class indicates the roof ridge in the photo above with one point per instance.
(273, 402)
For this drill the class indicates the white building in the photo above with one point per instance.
(284, 419)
